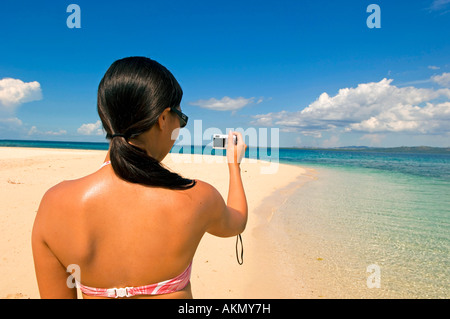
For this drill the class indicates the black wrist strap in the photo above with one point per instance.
(241, 261)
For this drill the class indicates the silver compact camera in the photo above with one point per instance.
(220, 141)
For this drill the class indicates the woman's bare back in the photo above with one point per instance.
(123, 234)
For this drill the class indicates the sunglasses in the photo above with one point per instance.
(183, 117)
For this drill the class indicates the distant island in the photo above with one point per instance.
(400, 149)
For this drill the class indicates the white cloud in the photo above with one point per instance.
(10, 127)
(333, 141)
(34, 131)
(442, 80)
(11, 122)
(14, 92)
(433, 67)
(57, 133)
(370, 107)
(91, 129)
(260, 100)
(225, 104)
(375, 139)
(433, 118)
(439, 4)
(268, 119)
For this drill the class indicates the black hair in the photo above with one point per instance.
(131, 96)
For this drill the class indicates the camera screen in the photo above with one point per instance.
(219, 142)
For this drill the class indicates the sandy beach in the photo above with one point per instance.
(27, 173)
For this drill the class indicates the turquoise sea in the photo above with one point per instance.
(387, 209)
(364, 209)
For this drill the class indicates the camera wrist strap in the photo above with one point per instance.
(241, 261)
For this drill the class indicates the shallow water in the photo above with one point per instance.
(353, 218)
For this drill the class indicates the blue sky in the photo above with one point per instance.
(312, 69)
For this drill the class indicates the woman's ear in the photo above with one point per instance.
(163, 118)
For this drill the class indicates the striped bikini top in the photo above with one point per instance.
(163, 287)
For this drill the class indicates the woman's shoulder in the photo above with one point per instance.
(55, 193)
(58, 198)
(204, 188)
(65, 187)
(207, 196)
(50, 210)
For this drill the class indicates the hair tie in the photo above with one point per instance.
(118, 135)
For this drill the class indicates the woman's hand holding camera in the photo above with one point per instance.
(235, 152)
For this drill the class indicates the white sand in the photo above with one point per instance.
(27, 173)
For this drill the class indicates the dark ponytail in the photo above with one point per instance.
(131, 96)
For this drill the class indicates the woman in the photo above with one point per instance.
(132, 227)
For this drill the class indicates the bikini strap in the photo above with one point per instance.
(105, 163)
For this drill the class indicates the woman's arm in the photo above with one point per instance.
(231, 219)
(51, 275)
(236, 194)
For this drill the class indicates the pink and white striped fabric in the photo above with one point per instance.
(164, 287)
(105, 163)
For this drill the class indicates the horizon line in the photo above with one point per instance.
(353, 147)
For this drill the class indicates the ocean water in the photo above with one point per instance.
(365, 210)
(376, 222)
(54, 144)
